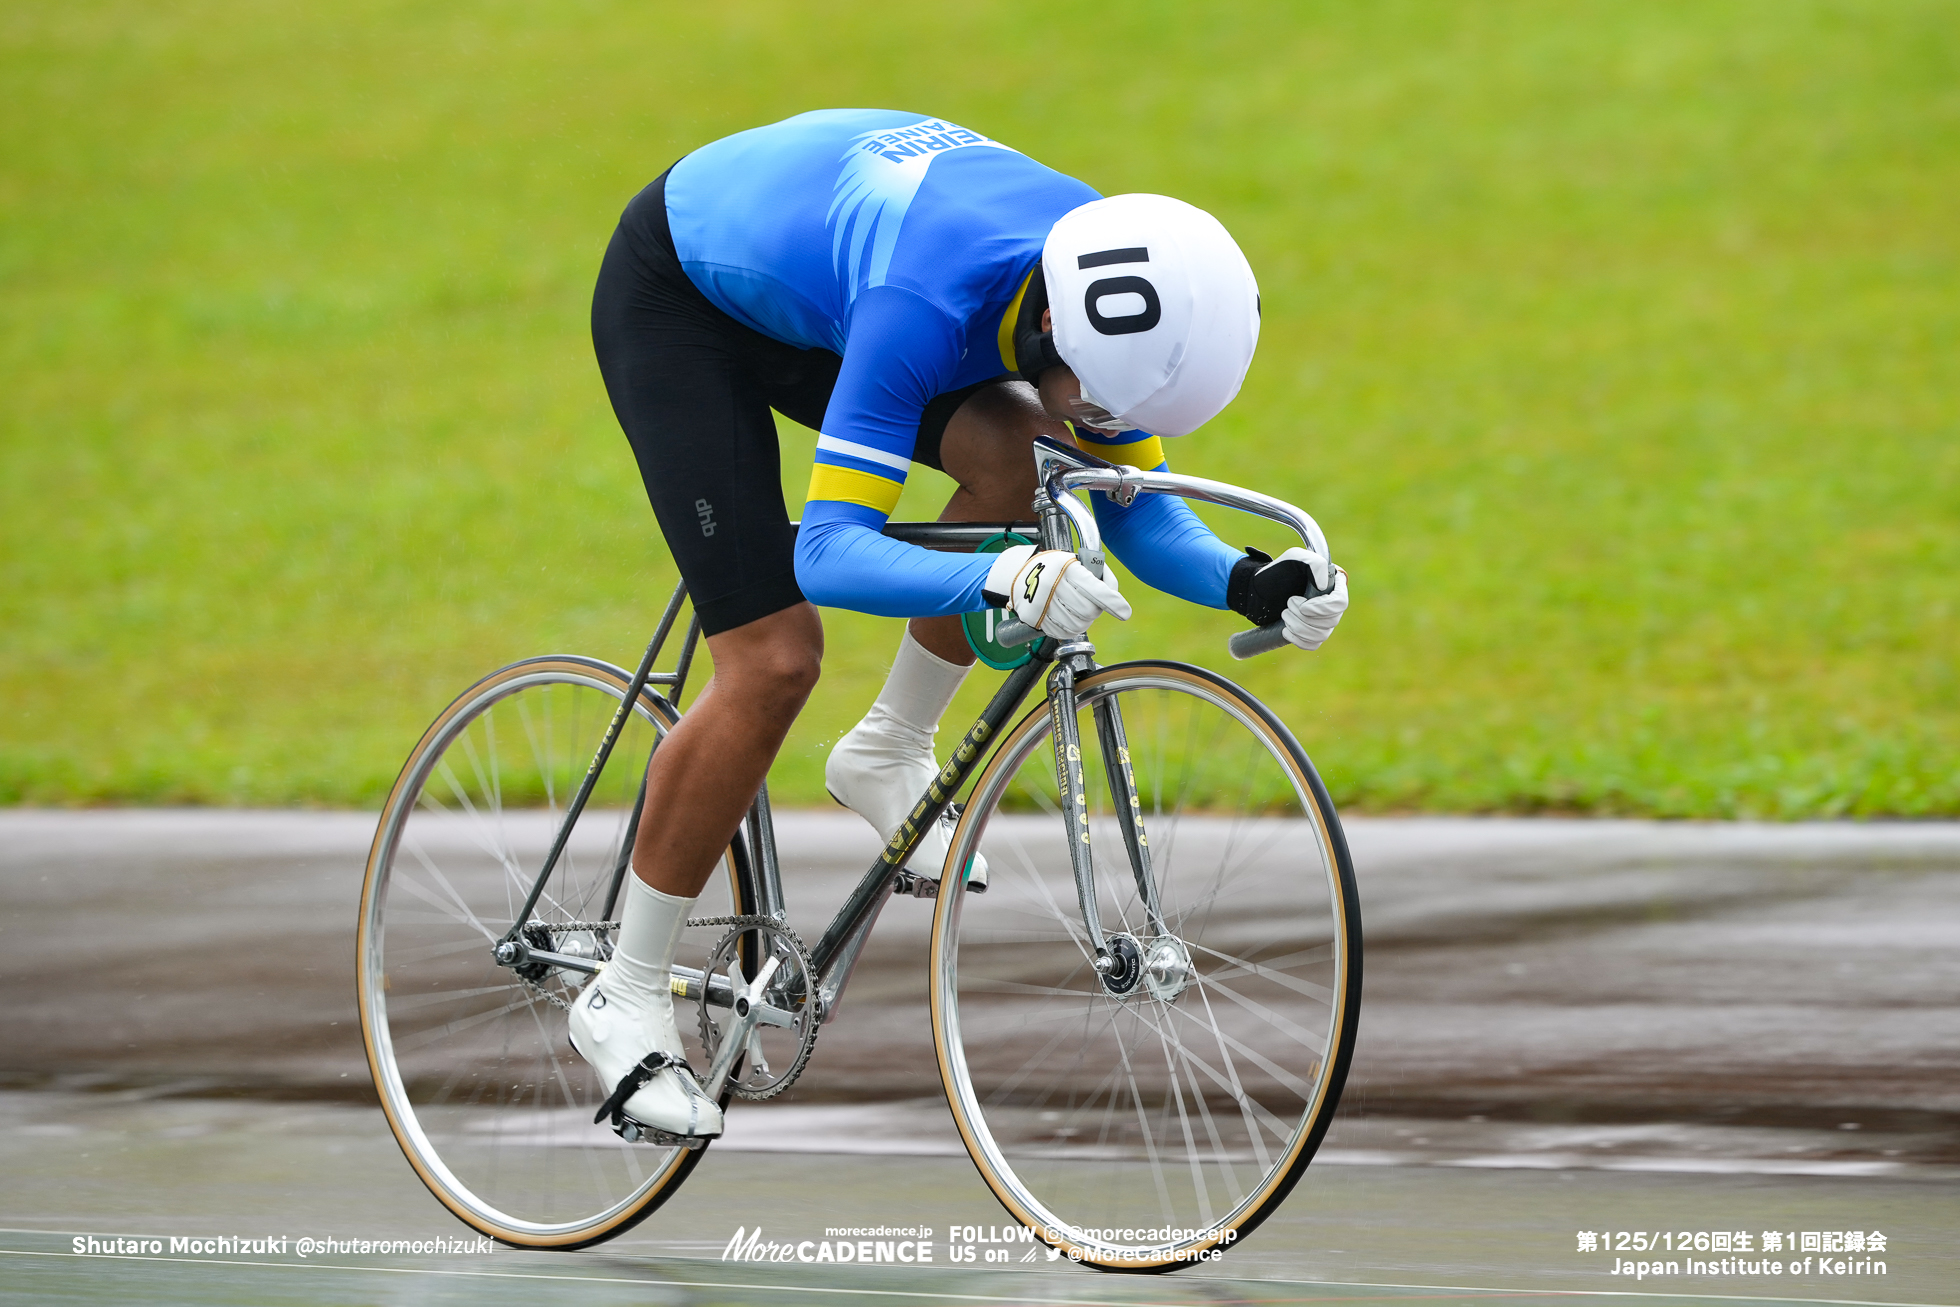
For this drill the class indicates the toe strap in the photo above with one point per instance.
(639, 1078)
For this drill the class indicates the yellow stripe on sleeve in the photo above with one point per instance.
(854, 487)
(1006, 333)
(1146, 453)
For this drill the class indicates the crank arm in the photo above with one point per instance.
(748, 1011)
(686, 984)
(757, 1061)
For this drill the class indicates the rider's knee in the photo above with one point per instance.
(1005, 467)
(792, 670)
(778, 666)
(987, 444)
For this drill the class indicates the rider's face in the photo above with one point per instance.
(1061, 392)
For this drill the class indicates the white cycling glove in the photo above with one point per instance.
(1052, 591)
(1286, 589)
(1308, 622)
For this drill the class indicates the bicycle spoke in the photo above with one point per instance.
(1299, 1033)
(426, 1037)
(1319, 993)
(430, 952)
(1174, 1099)
(452, 904)
(1298, 1085)
(483, 1085)
(1038, 1059)
(476, 827)
(600, 1180)
(1202, 1075)
(1181, 1064)
(991, 985)
(1166, 1210)
(420, 1001)
(1233, 1086)
(489, 782)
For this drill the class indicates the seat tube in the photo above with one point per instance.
(763, 863)
(1129, 808)
(1075, 802)
(623, 863)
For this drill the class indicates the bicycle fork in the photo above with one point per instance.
(1120, 959)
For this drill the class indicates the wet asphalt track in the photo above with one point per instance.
(1568, 1026)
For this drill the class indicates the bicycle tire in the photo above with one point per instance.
(1081, 1138)
(476, 1076)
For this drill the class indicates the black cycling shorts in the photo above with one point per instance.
(693, 388)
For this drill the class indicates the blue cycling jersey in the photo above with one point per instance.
(898, 242)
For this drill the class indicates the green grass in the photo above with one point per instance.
(1616, 346)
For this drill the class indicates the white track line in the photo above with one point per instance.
(964, 1297)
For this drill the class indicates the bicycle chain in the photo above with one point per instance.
(749, 919)
(562, 1005)
(545, 994)
(708, 1037)
(811, 1024)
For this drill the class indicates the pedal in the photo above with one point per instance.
(924, 887)
(634, 1133)
(919, 887)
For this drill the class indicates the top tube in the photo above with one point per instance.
(952, 537)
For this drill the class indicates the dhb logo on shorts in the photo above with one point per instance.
(706, 512)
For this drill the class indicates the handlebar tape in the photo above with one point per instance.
(1014, 632)
(1258, 640)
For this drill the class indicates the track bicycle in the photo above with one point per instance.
(1142, 1025)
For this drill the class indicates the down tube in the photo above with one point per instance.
(971, 750)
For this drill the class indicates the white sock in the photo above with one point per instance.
(650, 927)
(917, 693)
(880, 766)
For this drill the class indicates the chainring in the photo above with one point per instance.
(793, 987)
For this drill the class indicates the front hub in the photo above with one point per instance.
(1167, 968)
(1125, 968)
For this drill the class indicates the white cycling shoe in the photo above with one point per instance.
(636, 1048)
(879, 775)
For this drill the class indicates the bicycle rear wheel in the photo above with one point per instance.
(471, 1059)
(1145, 1130)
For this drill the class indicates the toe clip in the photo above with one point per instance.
(637, 1079)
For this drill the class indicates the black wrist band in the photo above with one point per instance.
(1239, 594)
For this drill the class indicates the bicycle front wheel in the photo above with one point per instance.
(1149, 1127)
(471, 1058)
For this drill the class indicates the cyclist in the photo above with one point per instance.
(917, 293)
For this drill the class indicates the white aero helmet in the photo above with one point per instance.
(1155, 309)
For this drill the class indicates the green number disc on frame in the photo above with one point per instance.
(980, 626)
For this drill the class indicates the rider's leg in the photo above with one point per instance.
(693, 390)
(700, 782)
(706, 773)
(987, 449)
(881, 766)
